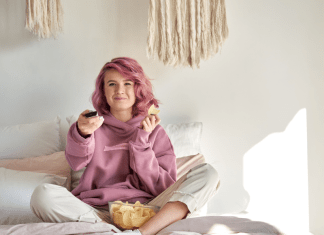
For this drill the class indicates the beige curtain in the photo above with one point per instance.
(44, 17)
(182, 32)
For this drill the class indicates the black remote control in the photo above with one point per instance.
(91, 114)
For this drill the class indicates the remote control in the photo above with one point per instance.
(91, 114)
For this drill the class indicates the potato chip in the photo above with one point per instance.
(126, 208)
(152, 213)
(137, 203)
(138, 213)
(118, 218)
(127, 221)
(115, 207)
(138, 208)
(153, 110)
(138, 222)
(146, 212)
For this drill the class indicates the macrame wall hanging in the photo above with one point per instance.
(182, 32)
(44, 17)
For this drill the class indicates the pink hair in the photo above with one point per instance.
(129, 69)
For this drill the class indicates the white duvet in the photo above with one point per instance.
(221, 225)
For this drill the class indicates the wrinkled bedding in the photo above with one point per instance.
(192, 226)
(58, 228)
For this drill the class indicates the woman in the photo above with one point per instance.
(128, 157)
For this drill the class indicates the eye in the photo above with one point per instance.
(128, 83)
(111, 84)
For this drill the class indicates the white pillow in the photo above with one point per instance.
(30, 140)
(72, 119)
(75, 175)
(185, 137)
(16, 188)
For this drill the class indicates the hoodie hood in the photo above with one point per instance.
(122, 127)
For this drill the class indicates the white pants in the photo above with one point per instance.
(53, 203)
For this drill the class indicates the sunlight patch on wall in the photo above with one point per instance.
(276, 177)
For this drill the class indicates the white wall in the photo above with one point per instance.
(270, 68)
(41, 79)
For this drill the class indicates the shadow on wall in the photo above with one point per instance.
(275, 174)
(12, 13)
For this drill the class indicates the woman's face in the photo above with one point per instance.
(119, 92)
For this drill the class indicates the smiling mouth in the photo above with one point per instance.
(118, 98)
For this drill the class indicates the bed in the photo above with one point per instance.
(31, 154)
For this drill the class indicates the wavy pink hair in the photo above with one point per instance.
(129, 69)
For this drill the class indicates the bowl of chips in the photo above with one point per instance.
(130, 216)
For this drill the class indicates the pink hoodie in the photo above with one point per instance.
(122, 162)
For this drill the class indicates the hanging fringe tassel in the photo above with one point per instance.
(169, 45)
(178, 40)
(186, 31)
(192, 18)
(151, 30)
(162, 45)
(205, 30)
(44, 18)
(198, 33)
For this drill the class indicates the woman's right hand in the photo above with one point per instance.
(86, 126)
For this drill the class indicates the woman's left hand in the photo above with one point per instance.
(150, 122)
